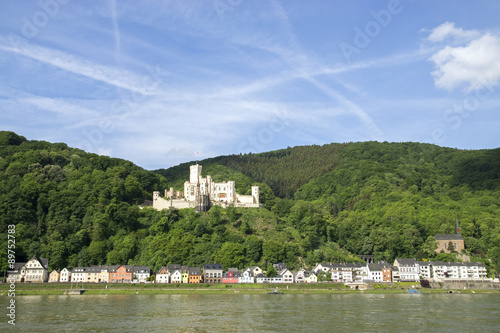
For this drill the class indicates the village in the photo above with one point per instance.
(36, 270)
(403, 270)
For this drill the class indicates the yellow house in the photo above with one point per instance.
(104, 274)
(54, 276)
(311, 278)
(185, 274)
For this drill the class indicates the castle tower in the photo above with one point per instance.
(195, 174)
(255, 194)
(156, 195)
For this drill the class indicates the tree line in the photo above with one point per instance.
(321, 203)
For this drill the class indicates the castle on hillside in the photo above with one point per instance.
(202, 193)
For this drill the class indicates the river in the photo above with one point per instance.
(256, 313)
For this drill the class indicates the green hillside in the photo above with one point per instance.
(322, 203)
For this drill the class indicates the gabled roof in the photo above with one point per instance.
(212, 266)
(93, 269)
(308, 274)
(173, 267)
(449, 237)
(163, 268)
(142, 269)
(406, 262)
(43, 261)
(78, 269)
(249, 272)
(377, 267)
(279, 266)
(128, 268)
(194, 271)
(18, 266)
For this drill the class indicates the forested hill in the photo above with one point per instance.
(335, 167)
(322, 203)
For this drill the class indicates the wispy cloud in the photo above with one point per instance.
(116, 30)
(119, 78)
(301, 61)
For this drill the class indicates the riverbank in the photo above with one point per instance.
(183, 289)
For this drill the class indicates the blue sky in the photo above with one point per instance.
(165, 82)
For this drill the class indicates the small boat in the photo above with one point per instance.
(275, 292)
(414, 291)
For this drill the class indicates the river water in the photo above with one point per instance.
(256, 313)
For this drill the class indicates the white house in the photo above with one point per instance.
(65, 275)
(141, 274)
(163, 276)
(286, 276)
(343, 272)
(408, 270)
(376, 272)
(277, 279)
(37, 270)
(476, 270)
(425, 269)
(261, 278)
(324, 267)
(176, 276)
(299, 276)
(246, 277)
(78, 274)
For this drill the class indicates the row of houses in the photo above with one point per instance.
(36, 270)
(403, 270)
(214, 273)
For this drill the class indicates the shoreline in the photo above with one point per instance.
(226, 289)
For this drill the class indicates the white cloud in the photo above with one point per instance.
(448, 29)
(477, 64)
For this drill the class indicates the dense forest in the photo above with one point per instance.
(321, 203)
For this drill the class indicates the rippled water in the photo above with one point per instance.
(256, 313)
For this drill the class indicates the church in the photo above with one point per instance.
(202, 193)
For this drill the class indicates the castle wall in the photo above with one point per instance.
(222, 194)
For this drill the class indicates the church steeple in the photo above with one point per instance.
(458, 229)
